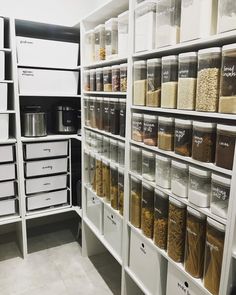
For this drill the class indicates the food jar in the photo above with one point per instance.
(176, 230)
(123, 33)
(100, 53)
(150, 129)
(183, 137)
(147, 217)
(135, 199)
(106, 114)
(106, 147)
(161, 207)
(179, 179)
(99, 144)
(92, 117)
(140, 82)
(208, 78)
(114, 186)
(163, 171)
(187, 82)
(98, 112)
(114, 116)
(111, 40)
(92, 172)
(99, 79)
(226, 16)
(107, 79)
(135, 156)
(169, 83)
(199, 190)
(123, 77)
(92, 75)
(121, 153)
(195, 243)
(148, 165)
(115, 78)
(166, 130)
(114, 150)
(106, 179)
(90, 47)
(215, 237)
(121, 190)
(87, 80)
(122, 108)
(168, 22)
(99, 181)
(93, 141)
(225, 146)
(227, 102)
(88, 138)
(86, 112)
(153, 95)
(220, 193)
(137, 127)
(204, 139)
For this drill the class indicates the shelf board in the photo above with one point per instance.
(205, 211)
(6, 81)
(114, 61)
(103, 93)
(48, 95)
(51, 137)
(48, 67)
(8, 141)
(7, 112)
(48, 212)
(137, 281)
(7, 50)
(106, 133)
(189, 160)
(10, 219)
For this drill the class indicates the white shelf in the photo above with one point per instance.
(78, 210)
(47, 67)
(105, 133)
(8, 141)
(7, 112)
(10, 219)
(51, 137)
(137, 281)
(104, 93)
(7, 50)
(49, 95)
(48, 212)
(103, 63)
(6, 81)
(189, 160)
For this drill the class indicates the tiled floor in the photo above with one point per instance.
(55, 266)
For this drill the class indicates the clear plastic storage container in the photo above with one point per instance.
(135, 156)
(187, 82)
(147, 219)
(215, 237)
(86, 167)
(169, 84)
(227, 102)
(168, 22)
(208, 79)
(199, 190)
(111, 41)
(179, 179)
(136, 201)
(106, 179)
(204, 139)
(99, 143)
(166, 131)
(114, 116)
(163, 171)
(183, 137)
(220, 193)
(86, 112)
(150, 129)
(114, 150)
(140, 82)
(121, 191)
(99, 79)
(114, 186)
(106, 147)
(92, 172)
(99, 182)
(98, 112)
(226, 16)
(137, 127)
(176, 230)
(195, 243)
(148, 165)
(87, 80)
(225, 146)
(115, 78)
(153, 96)
(92, 75)
(92, 117)
(100, 53)
(122, 107)
(121, 153)
(123, 33)
(107, 79)
(123, 77)
(161, 207)
(106, 114)
(90, 47)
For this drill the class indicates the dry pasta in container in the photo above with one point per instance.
(90, 47)
(111, 40)
(148, 165)
(107, 79)
(153, 96)
(123, 77)
(147, 217)
(166, 130)
(163, 171)
(135, 156)
(183, 137)
(137, 127)
(121, 191)
(136, 201)
(115, 78)
(150, 129)
(179, 179)
(140, 82)
(114, 186)
(226, 16)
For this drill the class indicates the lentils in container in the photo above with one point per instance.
(107, 79)
(140, 82)
(163, 171)
(99, 79)
(122, 104)
(114, 186)
(148, 165)
(111, 41)
(153, 96)
(183, 137)
(114, 116)
(100, 53)
(121, 191)
(147, 217)
(115, 78)
(150, 129)
(135, 156)
(123, 77)
(179, 179)
(166, 130)
(136, 201)
(137, 127)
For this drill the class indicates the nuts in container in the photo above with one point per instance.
(150, 129)
(183, 137)
(137, 127)
(115, 78)
(123, 77)
(166, 130)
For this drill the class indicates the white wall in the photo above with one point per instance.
(64, 12)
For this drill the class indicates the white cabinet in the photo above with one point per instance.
(7, 189)
(94, 210)
(7, 172)
(6, 153)
(8, 207)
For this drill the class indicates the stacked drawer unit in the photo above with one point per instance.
(47, 177)
(8, 184)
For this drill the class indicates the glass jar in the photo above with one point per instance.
(107, 79)
(195, 243)
(208, 78)
(199, 190)
(179, 179)
(99, 79)
(92, 117)
(121, 190)
(183, 137)
(87, 80)
(176, 230)
(90, 47)
(163, 171)
(135, 156)
(114, 186)
(106, 114)
(220, 193)
(215, 237)
(140, 82)
(106, 179)
(99, 183)
(137, 127)
(153, 96)
(114, 116)
(150, 129)
(111, 41)
(115, 78)
(204, 139)
(100, 53)
(106, 147)
(121, 153)
(226, 16)
(92, 172)
(168, 22)
(92, 74)
(135, 199)
(166, 131)
(147, 218)
(161, 207)
(98, 113)
(123, 33)
(86, 112)
(225, 146)
(114, 150)
(187, 82)
(169, 83)
(123, 77)
(122, 107)
(148, 165)
(227, 102)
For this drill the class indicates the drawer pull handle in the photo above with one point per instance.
(186, 284)
(47, 150)
(47, 167)
(48, 199)
(47, 183)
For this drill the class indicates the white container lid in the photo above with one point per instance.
(176, 202)
(223, 180)
(163, 158)
(99, 27)
(148, 186)
(135, 179)
(123, 100)
(150, 117)
(188, 54)
(113, 141)
(199, 172)
(179, 165)
(112, 99)
(99, 99)
(215, 224)
(229, 47)
(148, 154)
(166, 119)
(226, 128)
(161, 194)
(92, 70)
(136, 149)
(206, 125)
(107, 99)
(196, 213)
(113, 166)
(137, 115)
(183, 122)
(125, 65)
(155, 61)
(170, 58)
(99, 70)
(140, 63)
(209, 50)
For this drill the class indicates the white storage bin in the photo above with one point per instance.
(147, 265)
(7, 172)
(123, 30)
(47, 200)
(94, 210)
(1, 32)
(3, 96)
(4, 127)
(43, 184)
(46, 82)
(113, 230)
(7, 189)
(46, 150)
(2, 65)
(226, 16)
(6, 153)
(46, 167)
(48, 53)
(8, 207)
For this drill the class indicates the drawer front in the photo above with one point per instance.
(47, 200)
(46, 150)
(46, 167)
(7, 207)
(44, 184)
(94, 210)
(7, 172)
(7, 189)
(6, 153)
